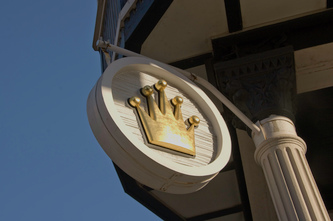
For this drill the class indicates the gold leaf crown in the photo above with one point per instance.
(164, 126)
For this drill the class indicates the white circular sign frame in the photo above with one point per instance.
(135, 157)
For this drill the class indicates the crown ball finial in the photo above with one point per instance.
(147, 90)
(194, 120)
(134, 101)
(177, 100)
(161, 85)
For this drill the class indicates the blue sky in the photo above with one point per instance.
(51, 166)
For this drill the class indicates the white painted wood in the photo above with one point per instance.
(197, 20)
(263, 12)
(281, 154)
(314, 68)
(118, 131)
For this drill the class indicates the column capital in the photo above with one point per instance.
(261, 84)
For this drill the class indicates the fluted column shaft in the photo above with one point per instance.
(281, 154)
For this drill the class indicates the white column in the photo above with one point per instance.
(281, 154)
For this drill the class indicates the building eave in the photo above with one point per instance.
(99, 22)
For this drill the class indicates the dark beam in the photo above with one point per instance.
(234, 15)
(329, 3)
(303, 32)
(142, 21)
(240, 174)
(220, 213)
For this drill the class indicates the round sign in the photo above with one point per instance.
(157, 126)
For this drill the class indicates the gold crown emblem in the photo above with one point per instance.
(164, 126)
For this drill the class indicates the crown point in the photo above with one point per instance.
(134, 101)
(161, 85)
(177, 100)
(147, 90)
(194, 120)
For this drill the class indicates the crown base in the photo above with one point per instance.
(181, 148)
